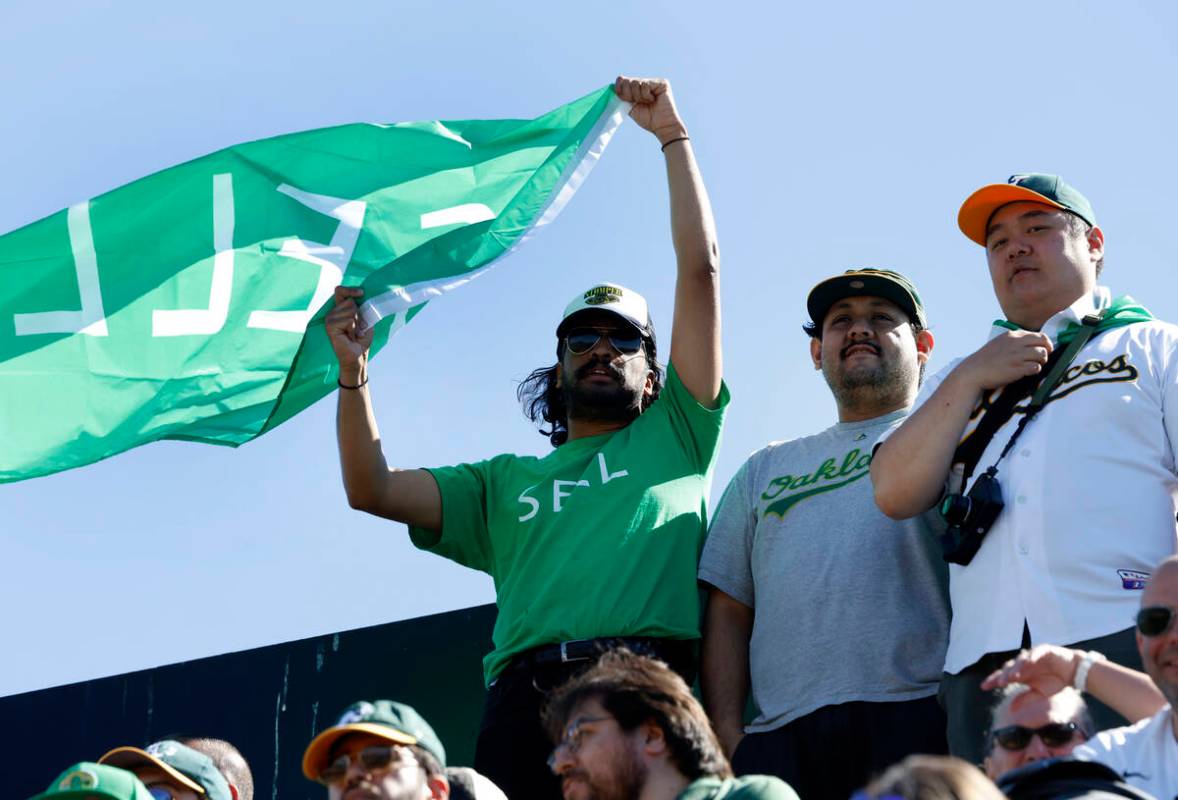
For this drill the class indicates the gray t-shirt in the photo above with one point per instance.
(850, 605)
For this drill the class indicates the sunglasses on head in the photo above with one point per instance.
(1154, 620)
(374, 757)
(1017, 737)
(580, 341)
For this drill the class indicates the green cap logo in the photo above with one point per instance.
(77, 780)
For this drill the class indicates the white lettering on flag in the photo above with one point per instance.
(465, 214)
(210, 320)
(90, 320)
(332, 259)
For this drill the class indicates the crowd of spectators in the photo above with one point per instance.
(931, 598)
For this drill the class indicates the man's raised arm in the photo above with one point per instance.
(909, 469)
(695, 331)
(409, 496)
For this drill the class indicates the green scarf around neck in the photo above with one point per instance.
(1123, 311)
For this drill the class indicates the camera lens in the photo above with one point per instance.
(955, 508)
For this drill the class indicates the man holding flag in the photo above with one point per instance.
(615, 513)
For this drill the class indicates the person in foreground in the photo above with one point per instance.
(380, 750)
(1012, 440)
(921, 777)
(1145, 754)
(614, 514)
(629, 728)
(883, 625)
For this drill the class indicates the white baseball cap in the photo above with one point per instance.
(626, 303)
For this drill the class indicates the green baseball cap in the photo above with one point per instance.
(88, 781)
(187, 767)
(883, 283)
(1034, 187)
(388, 720)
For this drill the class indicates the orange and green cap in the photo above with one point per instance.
(388, 720)
(88, 781)
(1033, 187)
(884, 283)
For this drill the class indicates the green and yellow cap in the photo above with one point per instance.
(393, 722)
(884, 283)
(88, 781)
(187, 767)
(1034, 187)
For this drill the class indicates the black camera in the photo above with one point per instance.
(969, 517)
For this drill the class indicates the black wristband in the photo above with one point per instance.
(672, 141)
(359, 385)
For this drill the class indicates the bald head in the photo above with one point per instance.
(1159, 654)
(1162, 588)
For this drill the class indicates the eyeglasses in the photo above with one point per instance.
(372, 758)
(1154, 620)
(1053, 734)
(160, 793)
(580, 341)
(573, 736)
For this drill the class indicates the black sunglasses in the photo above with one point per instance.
(372, 758)
(1154, 620)
(1053, 734)
(581, 340)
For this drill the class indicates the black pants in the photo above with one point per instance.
(512, 748)
(831, 752)
(968, 708)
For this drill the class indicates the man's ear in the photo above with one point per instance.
(816, 351)
(1096, 244)
(654, 741)
(559, 374)
(924, 346)
(439, 787)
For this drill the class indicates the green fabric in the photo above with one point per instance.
(1124, 310)
(601, 537)
(189, 304)
(748, 787)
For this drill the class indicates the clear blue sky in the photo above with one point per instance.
(830, 136)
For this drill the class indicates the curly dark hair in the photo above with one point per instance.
(634, 690)
(543, 399)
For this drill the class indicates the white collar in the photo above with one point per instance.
(1098, 299)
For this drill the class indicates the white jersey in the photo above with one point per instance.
(1145, 754)
(1090, 496)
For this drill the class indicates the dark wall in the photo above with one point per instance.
(268, 702)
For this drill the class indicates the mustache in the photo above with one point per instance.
(874, 348)
(599, 363)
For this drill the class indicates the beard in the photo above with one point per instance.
(625, 781)
(610, 402)
(881, 383)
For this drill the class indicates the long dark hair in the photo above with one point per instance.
(543, 399)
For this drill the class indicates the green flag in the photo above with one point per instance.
(189, 304)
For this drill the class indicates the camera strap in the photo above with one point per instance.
(1088, 328)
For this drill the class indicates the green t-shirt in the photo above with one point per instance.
(749, 787)
(601, 537)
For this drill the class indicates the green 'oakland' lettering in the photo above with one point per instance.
(825, 478)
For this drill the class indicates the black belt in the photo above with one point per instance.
(673, 651)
